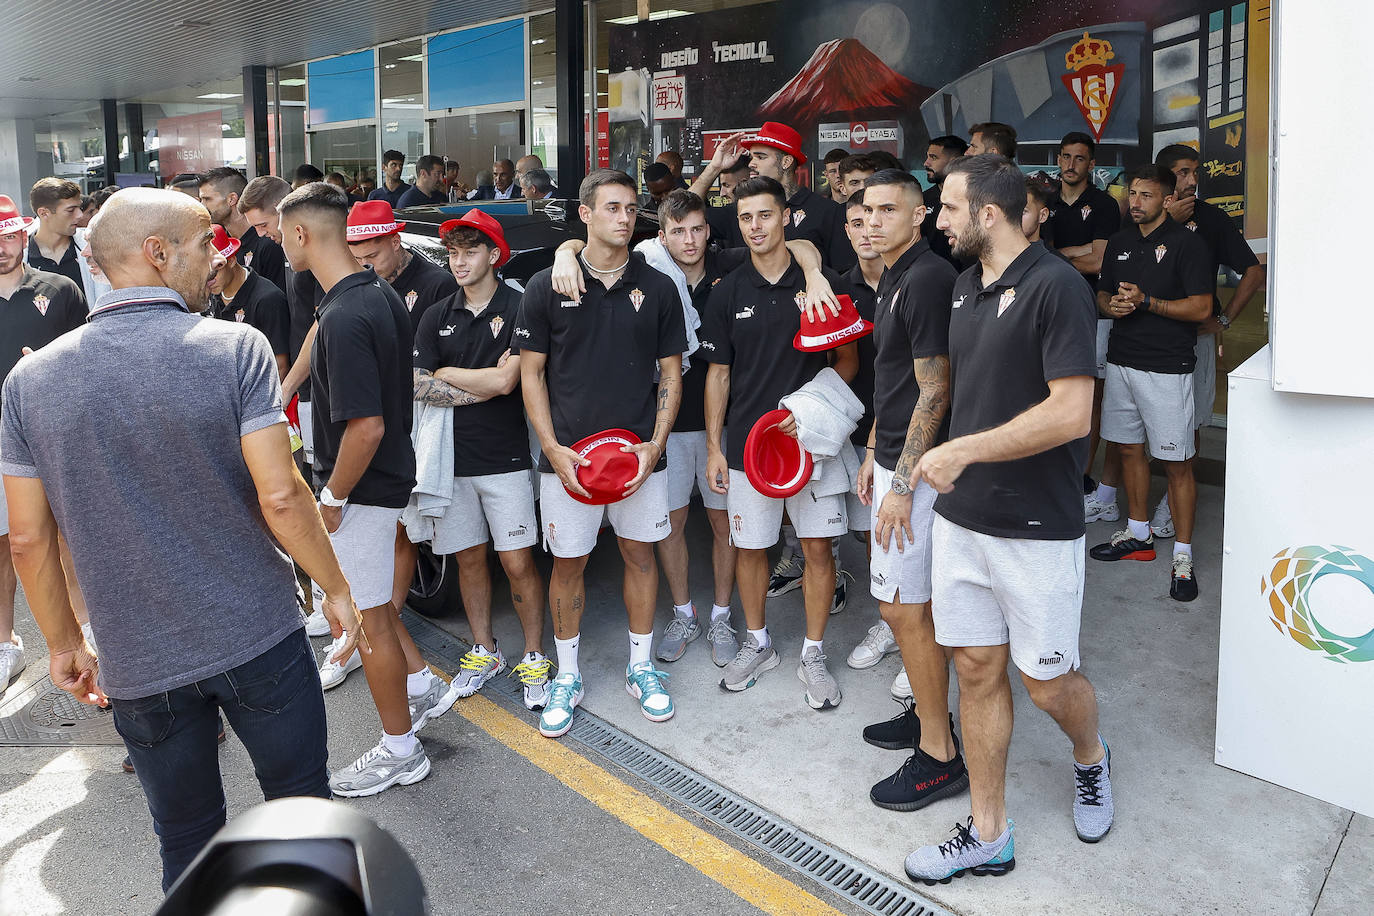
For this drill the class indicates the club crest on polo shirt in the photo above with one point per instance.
(800, 299)
(40, 302)
(497, 324)
(238, 316)
(1191, 225)
(248, 259)
(1005, 302)
(1086, 211)
(411, 298)
(636, 298)
(797, 217)
(1160, 252)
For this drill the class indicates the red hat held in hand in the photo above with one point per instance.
(225, 244)
(371, 219)
(816, 335)
(780, 137)
(484, 223)
(610, 471)
(774, 462)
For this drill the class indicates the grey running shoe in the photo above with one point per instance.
(679, 632)
(822, 690)
(749, 662)
(1093, 809)
(724, 645)
(533, 672)
(787, 575)
(431, 704)
(1162, 525)
(378, 770)
(477, 667)
(965, 853)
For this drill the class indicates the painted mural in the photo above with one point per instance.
(1135, 74)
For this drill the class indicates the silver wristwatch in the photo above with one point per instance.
(900, 486)
(1224, 321)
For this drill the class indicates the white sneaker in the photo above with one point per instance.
(901, 686)
(875, 647)
(1095, 511)
(1162, 525)
(11, 662)
(316, 624)
(332, 674)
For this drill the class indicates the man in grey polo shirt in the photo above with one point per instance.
(101, 439)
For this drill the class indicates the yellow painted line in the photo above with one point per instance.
(1226, 119)
(736, 872)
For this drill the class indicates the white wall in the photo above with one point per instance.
(18, 160)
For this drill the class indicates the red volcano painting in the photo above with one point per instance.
(842, 77)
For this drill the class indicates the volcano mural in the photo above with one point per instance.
(842, 77)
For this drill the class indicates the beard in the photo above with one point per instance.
(971, 244)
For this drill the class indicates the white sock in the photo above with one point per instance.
(686, 611)
(720, 612)
(1105, 494)
(419, 682)
(400, 745)
(640, 644)
(1163, 508)
(1139, 530)
(1180, 547)
(791, 541)
(808, 643)
(567, 655)
(762, 638)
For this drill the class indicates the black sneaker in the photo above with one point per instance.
(901, 731)
(1184, 584)
(1089, 485)
(1124, 547)
(841, 597)
(920, 781)
(787, 575)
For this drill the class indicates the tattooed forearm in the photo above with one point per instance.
(429, 390)
(669, 397)
(932, 375)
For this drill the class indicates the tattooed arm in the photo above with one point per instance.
(429, 390)
(665, 414)
(894, 512)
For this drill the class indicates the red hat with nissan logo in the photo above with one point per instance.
(371, 219)
(225, 244)
(10, 220)
(816, 335)
(780, 137)
(775, 463)
(610, 471)
(484, 223)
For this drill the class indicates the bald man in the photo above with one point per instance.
(100, 439)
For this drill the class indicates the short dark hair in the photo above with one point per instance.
(103, 194)
(428, 163)
(225, 180)
(452, 165)
(599, 178)
(678, 205)
(858, 162)
(657, 171)
(393, 155)
(1041, 190)
(466, 237)
(950, 144)
(855, 200)
(1162, 176)
(894, 176)
(885, 160)
(1078, 137)
(307, 173)
(49, 192)
(1001, 137)
(1174, 153)
(339, 177)
(835, 155)
(263, 193)
(741, 165)
(319, 198)
(184, 182)
(754, 187)
(992, 179)
(541, 179)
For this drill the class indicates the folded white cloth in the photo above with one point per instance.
(656, 255)
(432, 434)
(827, 412)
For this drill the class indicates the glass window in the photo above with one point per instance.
(403, 104)
(543, 92)
(286, 100)
(342, 88)
(72, 146)
(195, 129)
(344, 149)
(484, 65)
(478, 140)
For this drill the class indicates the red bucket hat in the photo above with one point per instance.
(10, 220)
(610, 469)
(816, 335)
(780, 137)
(225, 244)
(484, 223)
(371, 219)
(774, 462)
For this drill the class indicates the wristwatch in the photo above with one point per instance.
(327, 498)
(900, 486)
(1224, 321)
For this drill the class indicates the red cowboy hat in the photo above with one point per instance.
(484, 223)
(774, 462)
(371, 219)
(225, 244)
(816, 335)
(780, 137)
(10, 220)
(610, 471)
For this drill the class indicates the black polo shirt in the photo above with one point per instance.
(749, 326)
(939, 242)
(421, 284)
(1000, 366)
(489, 437)
(391, 197)
(912, 323)
(602, 352)
(264, 257)
(414, 197)
(303, 296)
(69, 265)
(41, 309)
(360, 367)
(1169, 263)
(817, 219)
(260, 304)
(1094, 215)
(864, 299)
(691, 415)
(1224, 240)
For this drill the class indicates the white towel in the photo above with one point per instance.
(432, 434)
(656, 256)
(827, 412)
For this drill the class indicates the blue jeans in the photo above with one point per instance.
(276, 708)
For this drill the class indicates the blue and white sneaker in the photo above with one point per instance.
(564, 694)
(966, 853)
(646, 685)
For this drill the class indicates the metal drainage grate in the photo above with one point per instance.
(762, 829)
(51, 717)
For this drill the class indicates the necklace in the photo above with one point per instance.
(604, 273)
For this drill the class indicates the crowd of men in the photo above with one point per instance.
(936, 364)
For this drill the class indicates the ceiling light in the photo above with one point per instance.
(291, 82)
(538, 41)
(653, 17)
(412, 57)
(538, 83)
(220, 95)
(391, 66)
